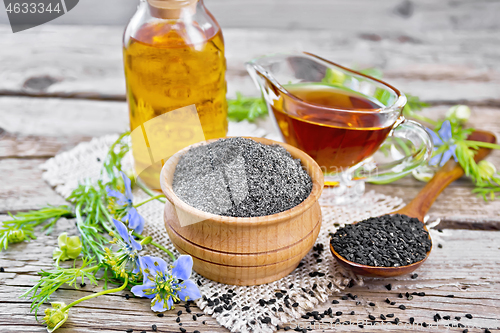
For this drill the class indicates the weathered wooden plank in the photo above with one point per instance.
(472, 276)
(443, 66)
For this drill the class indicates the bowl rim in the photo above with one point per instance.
(314, 172)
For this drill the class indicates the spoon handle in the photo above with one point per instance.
(450, 172)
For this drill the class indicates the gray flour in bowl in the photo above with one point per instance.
(241, 177)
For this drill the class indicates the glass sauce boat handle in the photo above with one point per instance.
(409, 157)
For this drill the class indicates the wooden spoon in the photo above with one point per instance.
(419, 206)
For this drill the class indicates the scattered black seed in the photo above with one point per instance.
(358, 303)
(335, 301)
(180, 324)
(262, 302)
(245, 308)
(400, 295)
(487, 330)
(295, 304)
(129, 330)
(329, 286)
(451, 296)
(218, 309)
(361, 325)
(204, 322)
(286, 328)
(465, 331)
(414, 276)
(127, 296)
(440, 246)
(402, 307)
(388, 286)
(469, 316)
(319, 260)
(311, 293)
(253, 322)
(304, 317)
(314, 286)
(338, 313)
(412, 320)
(199, 283)
(290, 286)
(154, 328)
(160, 315)
(400, 241)
(390, 315)
(179, 312)
(461, 325)
(195, 318)
(278, 295)
(266, 320)
(407, 294)
(372, 317)
(178, 320)
(353, 313)
(388, 301)
(421, 294)
(183, 330)
(382, 317)
(371, 304)
(424, 324)
(280, 309)
(393, 303)
(438, 316)
(2, 270)
(396, 320)
(344, 298)
(446, 317)
(458, 318)
(199, 314)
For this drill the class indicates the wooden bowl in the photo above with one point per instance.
(244, 250)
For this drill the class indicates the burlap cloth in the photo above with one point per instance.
(65, 170)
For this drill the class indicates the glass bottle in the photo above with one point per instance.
(173, 53)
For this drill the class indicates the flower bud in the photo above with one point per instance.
(459, 112)
(16, 236)
(69, 247)
(486, 169)
(55, 316)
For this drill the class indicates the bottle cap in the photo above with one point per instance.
(171, 9)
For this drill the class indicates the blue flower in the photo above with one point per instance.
(134, 220)
(128, 253)
(166, 288)
(444, 144)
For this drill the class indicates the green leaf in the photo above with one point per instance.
(246, 108)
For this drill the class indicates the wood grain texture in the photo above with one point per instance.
(244, 250)
(471, 275)
(443, 65)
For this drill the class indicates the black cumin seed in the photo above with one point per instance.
(129, 330)
(199, 283)
(266, 320)
(390, 315)
(344, 298)
(400, 295)
(195, 318)
(458, 318)
(245, 308)
(329, 286)
(382, 317)
(393, 303)
(183, 330)
(412, 320)
(469, 316)
(160, 315)
(388, 301)
(440, 246)
(371, 317)
(396, 321)
(188, 310)
(81, 284)
(402, 307)
(180, 324)
(295, 304)
(178, 320)
(451, 296)
(358, 303)
(487, 330)
(335, 301)
(278, 295)
(199, 314)
(465, 331)
(371, 304)
(424, 324)
(253, 322)
(262, 302)
(388, 286)
(204, 322)
(290, 286)
(127, 296)
(446, 317)
(353, 313)
(361, 325)
(338, 313)
(315, 286)
(421, 294)
(154, 328)
(438, 316)
(461, 325)
(179, 312)
(414, 276)
(2, 270)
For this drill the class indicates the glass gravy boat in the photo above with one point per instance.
(341, 118)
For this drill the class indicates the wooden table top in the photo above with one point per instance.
(61, 85)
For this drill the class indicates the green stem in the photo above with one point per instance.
(108, 215)
(482, 144)
(123, 286)
(148, 200)
(143, 187)
(156, 245)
